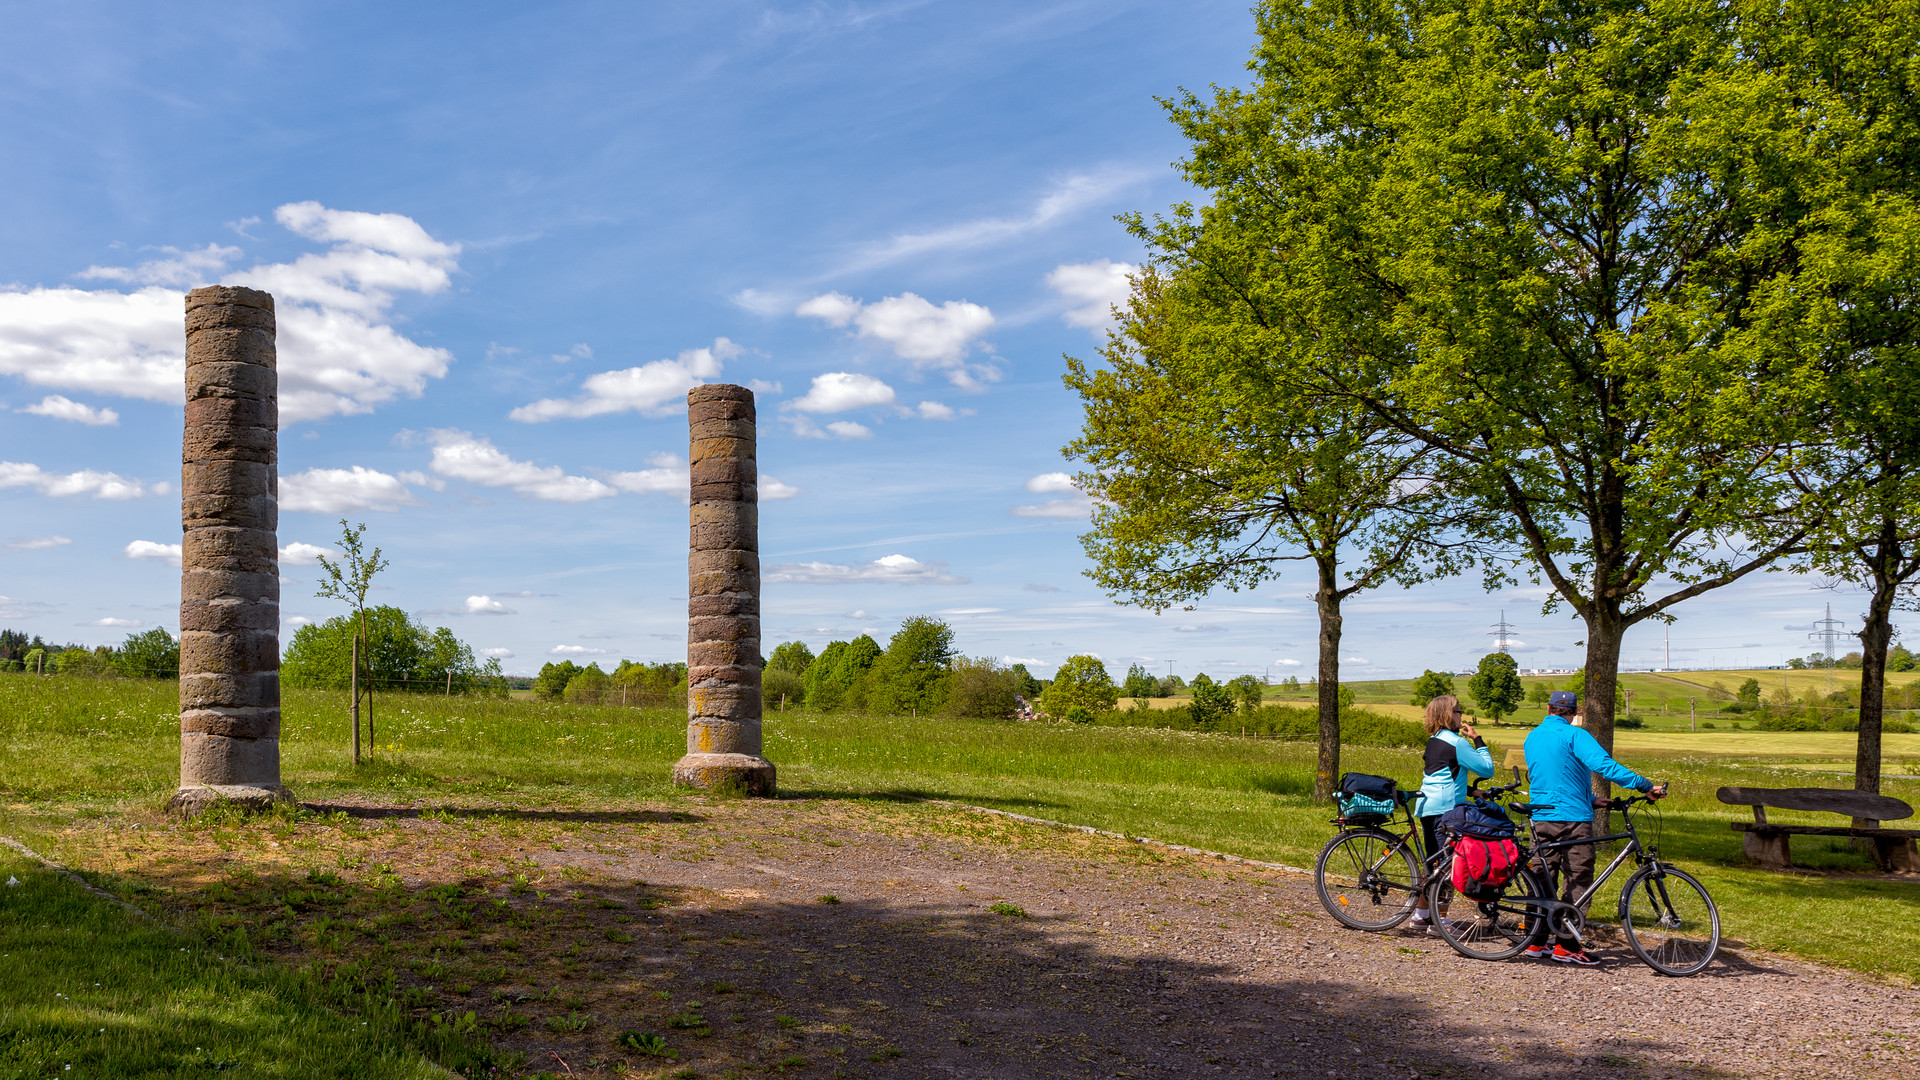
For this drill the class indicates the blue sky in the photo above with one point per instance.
(504, 239)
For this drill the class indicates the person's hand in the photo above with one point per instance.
(1466, 728)
(1657, 792)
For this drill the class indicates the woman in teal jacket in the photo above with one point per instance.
(1453, 748)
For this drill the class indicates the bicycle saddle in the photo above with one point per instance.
(1528, 807)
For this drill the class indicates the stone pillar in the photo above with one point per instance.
(723, 597)
(230, 556)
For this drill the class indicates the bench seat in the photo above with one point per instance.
(1767, 843)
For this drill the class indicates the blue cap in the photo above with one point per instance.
(1563, 698)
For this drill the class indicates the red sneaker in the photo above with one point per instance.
(1561, 953)
(1536, 952)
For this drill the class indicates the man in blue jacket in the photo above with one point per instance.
(1561, 759)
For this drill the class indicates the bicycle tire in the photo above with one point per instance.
(1496, 930)
(1666, 913)
(1359, 887)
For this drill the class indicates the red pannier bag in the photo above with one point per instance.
(1481, 866)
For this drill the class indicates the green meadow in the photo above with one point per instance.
(101, 751)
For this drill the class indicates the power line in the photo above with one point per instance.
(1503, 634)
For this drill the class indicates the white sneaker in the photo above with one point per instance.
(1418, 924)
(1435, 929)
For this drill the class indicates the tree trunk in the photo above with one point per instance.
(1604, 633)
(1875, 638)
(1327, 773)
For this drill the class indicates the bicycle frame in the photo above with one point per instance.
(1641, 853)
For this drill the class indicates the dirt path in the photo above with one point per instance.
(1126, 961)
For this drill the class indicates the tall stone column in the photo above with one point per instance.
(723, 597)
(230, 556)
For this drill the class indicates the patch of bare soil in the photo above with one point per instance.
(822, 938)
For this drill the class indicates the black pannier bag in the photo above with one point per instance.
(1366, 799)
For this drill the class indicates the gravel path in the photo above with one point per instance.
(1137, 963)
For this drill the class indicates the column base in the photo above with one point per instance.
(193, 799)
(751, 775)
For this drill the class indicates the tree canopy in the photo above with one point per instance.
(401, 654)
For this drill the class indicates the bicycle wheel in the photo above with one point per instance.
(1367, 878)
(1494, 929)
(1669, 919)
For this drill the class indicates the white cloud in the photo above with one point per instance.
(420, 479)
(1093, 289)
(498, 653)
(1355, 660)
(464, 456)
(338, 353)
(575, 650)
(841, 391)
(1061, 509)
(1076, 506)
(38, 543)
(771, 489)
(298, 554)
(762, 386)
(149, 549)
(890, 569)
(57, 407)
(111, 621)
(934, 410)
(333, 491)
(667, 477)
(297, 620)
(655, 389)
(1038, 587)
(487, 605)
(933, 337)
(85, 482)
(1287, 663)
(847, 429)
(1067, 197)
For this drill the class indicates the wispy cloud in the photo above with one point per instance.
(890, 569)
(915, 329)
(57, 407)
(1067, 197)
(100, 485)
(654, 389)
(37, 543)
(464, 456)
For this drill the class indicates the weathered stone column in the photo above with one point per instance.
(723, 597)
(230, 556)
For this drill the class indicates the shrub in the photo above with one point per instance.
(1630, 723)
(778, 685)
(982, 687)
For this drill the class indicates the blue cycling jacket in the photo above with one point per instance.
(1559, 759)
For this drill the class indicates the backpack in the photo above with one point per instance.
(1366, 799)
(1481, 866)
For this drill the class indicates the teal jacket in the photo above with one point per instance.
(1560, 757)
(1449, 754)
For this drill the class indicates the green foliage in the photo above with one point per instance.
(1344, 695)
(91, 663)
(400, 654)
(1899, 658)
(911, 676)
(151, 654)
(1246, 690)
(1797, 663)
(588, 686)
(349, 579)
(1082, 681)
(1029, 686)
(1749, 693)
(1358, 727)
(1431, 684)
(1211, 702)
(552, 681)
(780, 688)
(1495, 686)
(791, 656)
(982, 687)
(638, 683)
(837, 677)
(1140, 683)
(1538, 696)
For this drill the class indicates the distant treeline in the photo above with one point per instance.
(151, 654)
(401, 653)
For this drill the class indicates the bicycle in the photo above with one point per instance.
(1365, 864)
(1664, 912)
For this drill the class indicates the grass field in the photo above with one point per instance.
(92, 754)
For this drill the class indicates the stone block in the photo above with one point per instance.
(233, 412)
(723, 702)
(703, 654)
(254, 512)
(223, 759)
(243, 550)
(725, 603)
(724, 629)
(213, 690)
(736, 675)
(236, 295)
(703, 451)
(231, 373)
(232, 652)
(249, 723)
(722, 535)
(723, 429)
(711, 736)
(712, 471)
(226, 478)
(221, 616)
(198, 585)
(222, 442)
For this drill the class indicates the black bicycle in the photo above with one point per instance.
(1668, 919)
(1371, 877)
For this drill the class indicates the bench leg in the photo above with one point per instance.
(1768, 849)
(1896, 855)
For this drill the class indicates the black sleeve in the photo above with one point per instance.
(1439, 755)
(1479, 742)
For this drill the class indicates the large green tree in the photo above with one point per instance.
(1495, 686)
(1212, 471)
(1080, 682)
(1562, 244)
(911, 676)
(150, 654)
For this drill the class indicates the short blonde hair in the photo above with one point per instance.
(1440, 713)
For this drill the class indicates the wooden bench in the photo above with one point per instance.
(1766, 843)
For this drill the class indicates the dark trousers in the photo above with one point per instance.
(1571, 866)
